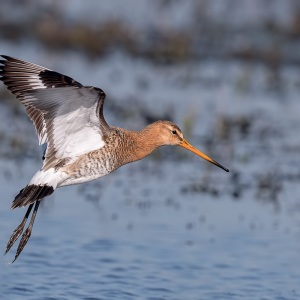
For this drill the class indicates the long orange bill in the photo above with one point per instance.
(185, 144)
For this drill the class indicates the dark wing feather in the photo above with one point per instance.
(67, 115)
(20, 77)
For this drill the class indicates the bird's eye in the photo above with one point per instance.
(174, 132)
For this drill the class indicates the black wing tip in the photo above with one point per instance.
(10, 59)
(55, 79)
(4, 60)
(7, 58)
(49, 78)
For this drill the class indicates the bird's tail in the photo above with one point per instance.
(30, 194)
(42, 184)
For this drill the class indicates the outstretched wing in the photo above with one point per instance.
(67, 115)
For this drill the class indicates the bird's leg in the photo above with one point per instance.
(27, 232)
(17, 232)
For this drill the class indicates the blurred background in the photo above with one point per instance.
(171, 226)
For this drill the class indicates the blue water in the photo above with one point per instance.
(149, 247)
(170, 226)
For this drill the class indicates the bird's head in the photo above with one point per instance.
(170, 134)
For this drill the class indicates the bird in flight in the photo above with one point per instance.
(80, 145)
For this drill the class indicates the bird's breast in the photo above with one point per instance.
(88, 167)
(117, 151)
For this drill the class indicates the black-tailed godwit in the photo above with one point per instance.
(81, 146)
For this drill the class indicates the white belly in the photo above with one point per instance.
(84, 171)
(71, 181)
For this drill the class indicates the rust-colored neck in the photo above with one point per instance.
(143, 142)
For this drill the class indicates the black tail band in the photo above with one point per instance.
(31, 194)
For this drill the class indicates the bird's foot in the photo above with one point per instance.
(17, 232)
(25, 237)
